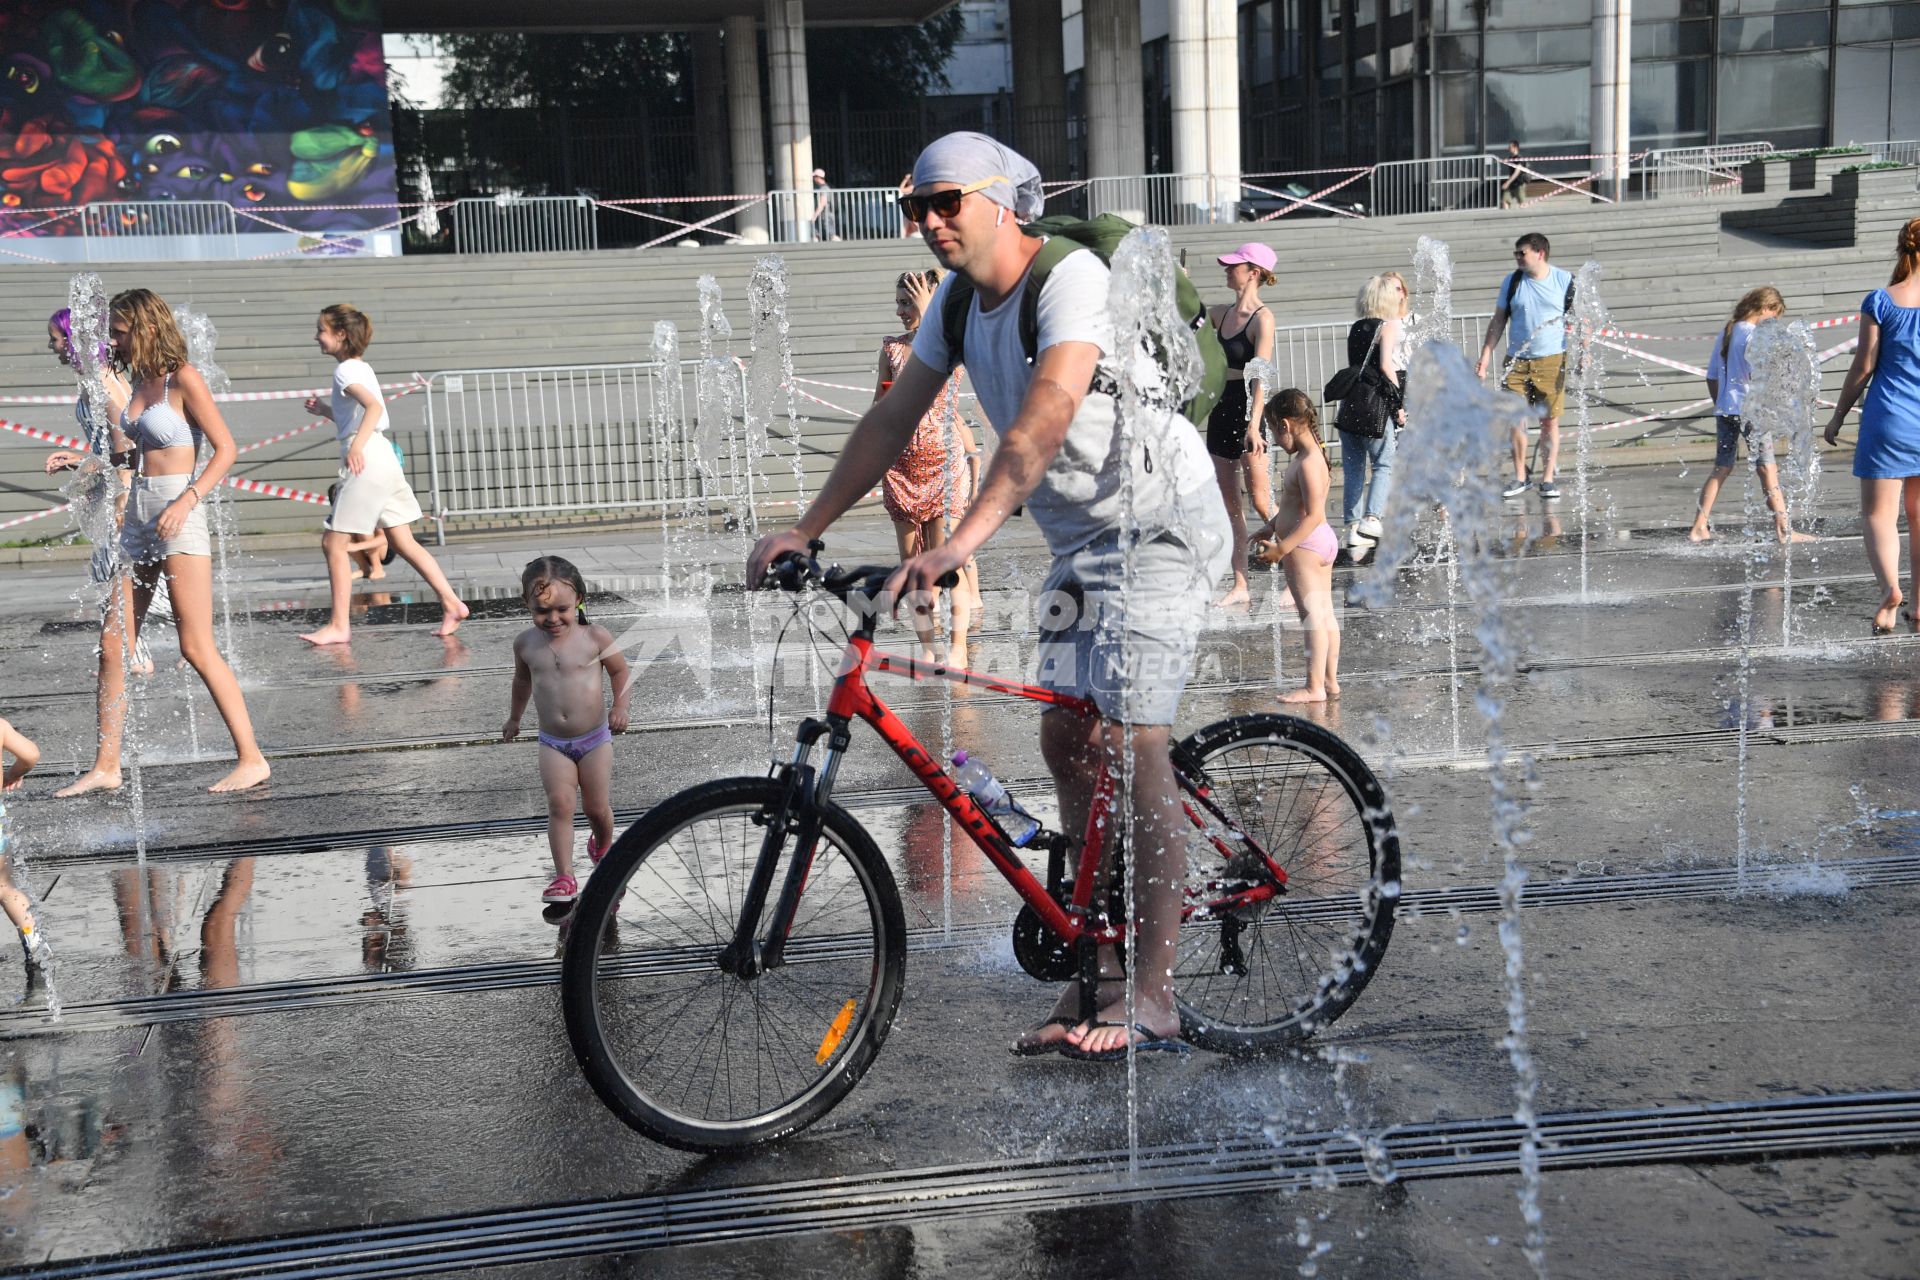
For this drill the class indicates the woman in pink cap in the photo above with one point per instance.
(1233, 431)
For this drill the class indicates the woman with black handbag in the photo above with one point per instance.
(1370, 410)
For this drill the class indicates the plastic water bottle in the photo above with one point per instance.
(1018, 825)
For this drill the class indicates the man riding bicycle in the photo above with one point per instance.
(1130, 513)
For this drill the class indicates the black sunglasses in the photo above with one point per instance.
(944, 203)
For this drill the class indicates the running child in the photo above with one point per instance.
(371, 554)
(1308, 548)
(557, 662)
(373, 491)
(1727, 376)
(19, 910)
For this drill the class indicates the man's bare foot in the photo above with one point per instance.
(1306, 694)
(1112, 1032)
(328, 634)
(1050, 1034)
(91, 780)
(248, 773)
(1236, 597)
(1700, 533)
(454, 616)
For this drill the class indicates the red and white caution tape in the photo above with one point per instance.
(35, 433)
(408, 387)
(1651, 358)
(1681, 412)
(276, 491)
(35, 515)
(1832, 322)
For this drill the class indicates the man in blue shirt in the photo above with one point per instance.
(1536, 298)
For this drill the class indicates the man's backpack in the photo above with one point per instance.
(1566, 304)
(1102, 235)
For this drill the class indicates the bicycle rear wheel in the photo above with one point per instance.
(1254, 977)
(693, 1055)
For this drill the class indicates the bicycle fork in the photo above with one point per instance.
(802, 795)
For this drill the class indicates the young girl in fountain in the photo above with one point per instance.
(1727, 376)
(373, 491)
(557, 662)
(1300, 540)
(19, 910)
(164, 532)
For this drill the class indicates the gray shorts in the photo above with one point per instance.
(1129, 647)
(140, 540)
(1728, 428)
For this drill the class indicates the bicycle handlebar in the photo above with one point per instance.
(796, 572)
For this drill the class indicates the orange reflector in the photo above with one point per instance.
(831, 1040)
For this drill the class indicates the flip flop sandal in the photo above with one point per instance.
(1151, 1044)
(1045, 1047)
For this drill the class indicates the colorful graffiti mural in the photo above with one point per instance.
(272, 105)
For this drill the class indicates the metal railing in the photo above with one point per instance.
(851, 213)
(578, 438)
(138, 230)
(1448, 183)
(1905, 151)
(1696, 171)
(1306, 355)
(525, 224)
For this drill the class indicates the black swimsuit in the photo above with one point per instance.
(1227, 424)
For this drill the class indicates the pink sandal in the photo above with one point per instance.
(561, 889)
(595, 851)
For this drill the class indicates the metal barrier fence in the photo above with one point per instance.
(852, 213)
(1428, 186)
(129, 231)
(1901, 152)
(525, 224)
(1696, 171)
(1306, 355)
(575, 438)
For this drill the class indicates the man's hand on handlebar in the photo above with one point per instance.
(915, 581)
(769, 549)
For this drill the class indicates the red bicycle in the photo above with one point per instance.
(754, 971)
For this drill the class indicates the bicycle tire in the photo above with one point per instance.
(1305, 957)
(677, 875)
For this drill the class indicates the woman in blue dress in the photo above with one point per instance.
(1886, 365)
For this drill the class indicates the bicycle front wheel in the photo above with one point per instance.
(1255, 975)
(691, 1054)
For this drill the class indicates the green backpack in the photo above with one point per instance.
(1102, 235)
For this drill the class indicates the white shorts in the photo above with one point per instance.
(378, 498)
(140, 540)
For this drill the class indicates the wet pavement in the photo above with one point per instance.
(329, 1010)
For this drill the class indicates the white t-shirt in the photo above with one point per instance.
(1733, 373)
(347, 411)
(1079, 498)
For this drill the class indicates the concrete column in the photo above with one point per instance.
(1610, 113)
(792, 121)
(709, 111)
(1203, 49)
(1039, 84)
(1116, 110)
(744, 124)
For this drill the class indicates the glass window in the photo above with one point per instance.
(1672, 39)
(1539, 13)
(1885, 22)
(1397, 7)
(1786, 31)
(1669, 102)
(1362, 120)
(1256, 43)
(1332, 17)
(1512, 48)
(1400, 61)
(1575, 45)
(1457, 53)
(1778, 96)
(1540, 108)
(1655, 10)
(1457, 15)
(1768, 6)
(1292, 41)
(1459, 113)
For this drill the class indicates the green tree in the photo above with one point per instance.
(605, 75)
(881, 68)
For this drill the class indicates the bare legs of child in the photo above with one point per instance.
(190, 581)
(915, 539)
(1311, 580)
(335, 546)
(111, 693)
(1769, 475)
(587, 784)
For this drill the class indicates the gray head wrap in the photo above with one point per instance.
(968, 158)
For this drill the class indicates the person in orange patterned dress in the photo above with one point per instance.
(930, 484)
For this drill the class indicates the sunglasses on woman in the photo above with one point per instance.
(944, 203)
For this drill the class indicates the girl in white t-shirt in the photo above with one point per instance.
(373, 491)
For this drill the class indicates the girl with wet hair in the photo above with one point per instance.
(1727, 376)
(169, 414)
(1886, 459)
(557, 663)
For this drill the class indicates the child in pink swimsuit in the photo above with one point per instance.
(1308, 548)
(557, 662)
